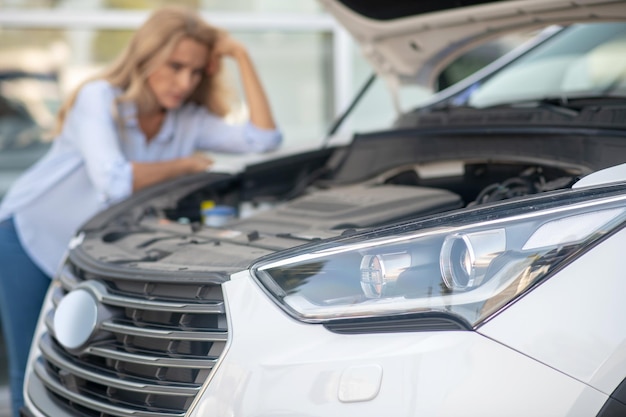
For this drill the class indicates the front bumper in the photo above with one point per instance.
(276, 366)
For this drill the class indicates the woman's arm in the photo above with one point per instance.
(258, 104)
(146, 174)
(91, 128)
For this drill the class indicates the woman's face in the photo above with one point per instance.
(174, 80)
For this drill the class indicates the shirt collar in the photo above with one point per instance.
(128, 114)
(166, 133)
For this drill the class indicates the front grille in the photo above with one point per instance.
(149, 358)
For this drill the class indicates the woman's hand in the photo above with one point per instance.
(198, 163)
(146, 174)
(225, 45)
(258, 105)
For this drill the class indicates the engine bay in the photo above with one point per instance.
(166, 238)
(377, 180)
(398, 194)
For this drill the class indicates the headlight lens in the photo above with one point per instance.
(466, 257)
(444, 265)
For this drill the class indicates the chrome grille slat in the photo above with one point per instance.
(151, 360)
(153, 347)
(68, 280)
(92, 404)
(215, 308)
(165, 334)
(153, 332)
(57, 295)
(58, 360)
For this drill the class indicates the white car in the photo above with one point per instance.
(464, 262)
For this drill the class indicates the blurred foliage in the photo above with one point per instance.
(25, 38)
(107, 44)
(299, 6)
(32, 4)
(147, 4)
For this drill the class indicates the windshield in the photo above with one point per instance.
(582, 60)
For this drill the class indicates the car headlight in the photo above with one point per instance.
(463, 265)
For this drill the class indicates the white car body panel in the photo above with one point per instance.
(610, 175)
(265, 373)
(574, 334)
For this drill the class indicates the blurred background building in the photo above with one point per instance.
(309, 65)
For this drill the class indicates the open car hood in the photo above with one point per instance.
(410, 42)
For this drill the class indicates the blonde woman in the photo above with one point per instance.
(138, 124)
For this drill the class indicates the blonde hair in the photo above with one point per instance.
(150, 47)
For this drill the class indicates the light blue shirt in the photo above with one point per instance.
(88, 167)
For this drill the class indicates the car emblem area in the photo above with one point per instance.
(76, 319)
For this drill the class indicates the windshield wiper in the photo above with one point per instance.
(559, 105)
(569, 106)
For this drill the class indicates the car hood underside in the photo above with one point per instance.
(411, 42)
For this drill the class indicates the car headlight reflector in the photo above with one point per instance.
(379, 272)
(465, 257)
